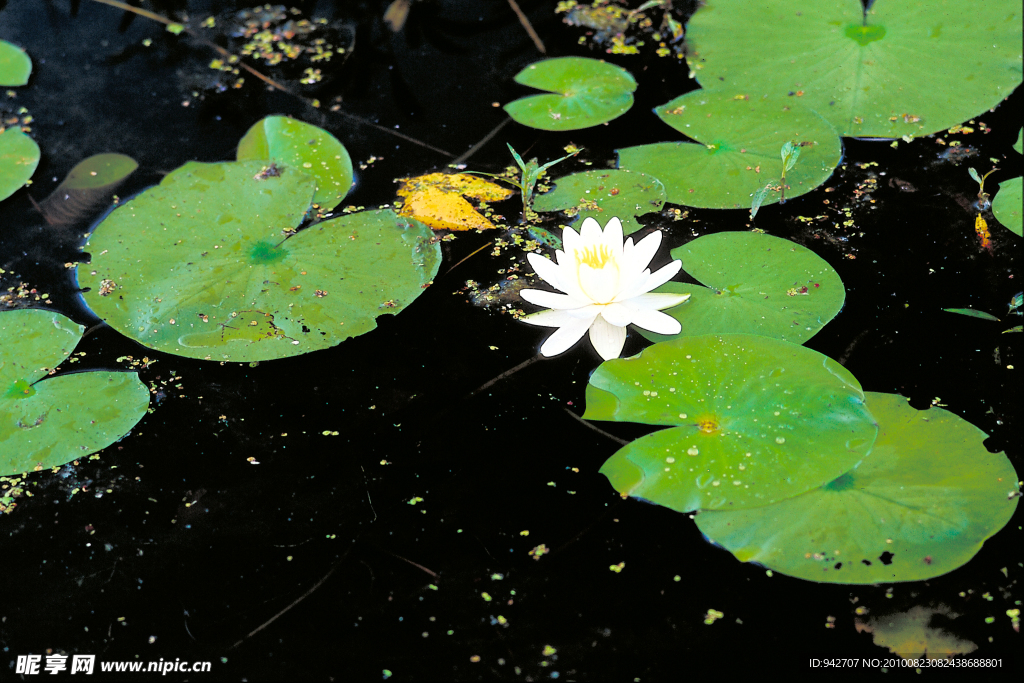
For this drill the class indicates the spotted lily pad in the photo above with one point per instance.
(1006, 206)
(587, 92)
(768, 286)
(603, 194)
(48, 421)
(285, 141)
(902, 68)
(739, 138)
(752, 420)
(15, 65)
(919, 506)
(207, 265)
(19, 156)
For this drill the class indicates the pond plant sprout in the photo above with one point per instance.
(983, 203)
(531, 173)
(607, 286)
(1015, 304)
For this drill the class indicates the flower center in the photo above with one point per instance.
(598, 273)
(595, 257)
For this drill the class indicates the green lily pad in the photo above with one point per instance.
(48, 422)
(589, 92)
(768, 286)
(904, 68)
(740, 140)
(288, 142)
(88, 186)
(207, 265)
(1006, 205)
(19, 156)
(919, 506)
(15, 65)
(603, 194)
(1019, 145)
(753, 420)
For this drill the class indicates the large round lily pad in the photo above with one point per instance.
(1006, 207)
(46, 422)
(767, 285)
(588, 92)
(920, 505)
(289, 142)
(604, 194)
(19, 156)
(15, 65)
(753, 420)
(903, 68)
(739, 139)
(205, 265)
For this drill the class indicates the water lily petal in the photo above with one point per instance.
(590, 232)
(588, 311)
(571, 242)
(608, 339)
(547, 299)
(663, 275)
(565, 337)
(656, 321)
(549, 318)
(547, 270)
(612, 237)
(658, 301)
(641, 254)
(600, 285)
(568, 280)
(619, 315)
(634, 288)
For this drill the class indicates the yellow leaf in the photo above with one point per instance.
(437, 199)
(459, 183)
(443, 211)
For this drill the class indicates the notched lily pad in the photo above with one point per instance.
(284, 141)
(589, 92)
(919, 506)
(46, 422)
(19, 156)
(767, 285)
(738, 145)
(15, 65)
(752, 420)
(604, 194)
(208, 265)
(885, 73)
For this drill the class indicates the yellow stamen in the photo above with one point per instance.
(595, 257)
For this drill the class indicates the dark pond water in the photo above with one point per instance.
(229, 528)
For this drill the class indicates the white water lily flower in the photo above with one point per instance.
(607, 286)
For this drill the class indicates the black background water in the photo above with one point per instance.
(184, 548)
